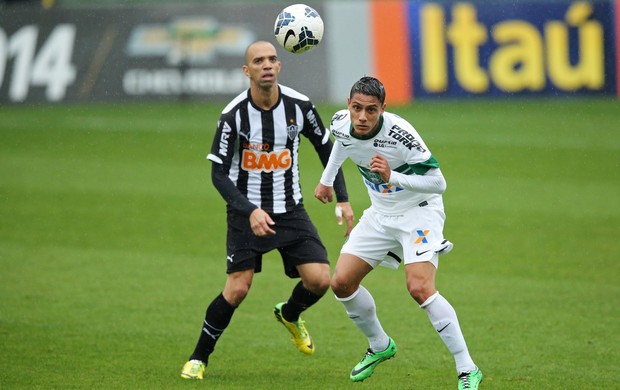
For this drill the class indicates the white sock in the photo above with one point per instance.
(444, 320)
(360, 307)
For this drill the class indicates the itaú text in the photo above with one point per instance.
(523, 57)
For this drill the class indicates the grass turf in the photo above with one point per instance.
(112, 245)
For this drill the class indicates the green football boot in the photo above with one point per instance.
(367, 365)
(470, 380)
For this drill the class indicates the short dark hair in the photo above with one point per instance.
(369, 86)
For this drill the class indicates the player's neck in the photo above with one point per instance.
(265, 98)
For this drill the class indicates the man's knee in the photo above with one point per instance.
(318, 284)
(237, 288)
(315, 277)
(421, 289)
(343, 287)
(421, 280)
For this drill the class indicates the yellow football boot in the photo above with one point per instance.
(193, 369)
(299, 334)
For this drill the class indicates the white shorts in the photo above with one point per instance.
(388, 240)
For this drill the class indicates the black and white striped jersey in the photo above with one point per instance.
(258, 149)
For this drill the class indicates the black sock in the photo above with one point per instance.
(217, 318)
(300, 300)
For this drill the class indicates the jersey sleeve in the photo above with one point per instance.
(318, 135)
(222, 151)
(229, 192)
(313, 129)
(417, 156)
(432, 182)
(333, 165)
(223, 146)
(338, 156)
(420, 171)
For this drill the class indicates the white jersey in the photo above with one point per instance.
(406, 153)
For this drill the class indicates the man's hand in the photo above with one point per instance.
(344, 210)
(261, 223)
(380, 165)
(324, 193)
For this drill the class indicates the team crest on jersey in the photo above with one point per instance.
(372, 177)
(292, 130)
(374, 181)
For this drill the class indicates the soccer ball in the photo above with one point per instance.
(298, 28)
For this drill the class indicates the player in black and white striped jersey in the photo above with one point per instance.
(255, 168)
(257, 149)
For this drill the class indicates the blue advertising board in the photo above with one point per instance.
(518, 48)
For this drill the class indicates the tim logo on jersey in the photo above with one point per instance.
(261, 161)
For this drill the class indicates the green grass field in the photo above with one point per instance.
(112, 245)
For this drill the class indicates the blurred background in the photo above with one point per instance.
(87, 51)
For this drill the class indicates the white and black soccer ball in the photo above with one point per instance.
(298, 28)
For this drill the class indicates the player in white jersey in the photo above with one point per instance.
(403, 224)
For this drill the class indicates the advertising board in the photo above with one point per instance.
(419, 49)
(145, 53)
(525, 48)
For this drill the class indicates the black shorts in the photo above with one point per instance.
(296, 239)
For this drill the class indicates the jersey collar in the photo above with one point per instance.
(257, 108)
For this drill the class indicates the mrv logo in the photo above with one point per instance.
(535, 47)
(226, 130)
